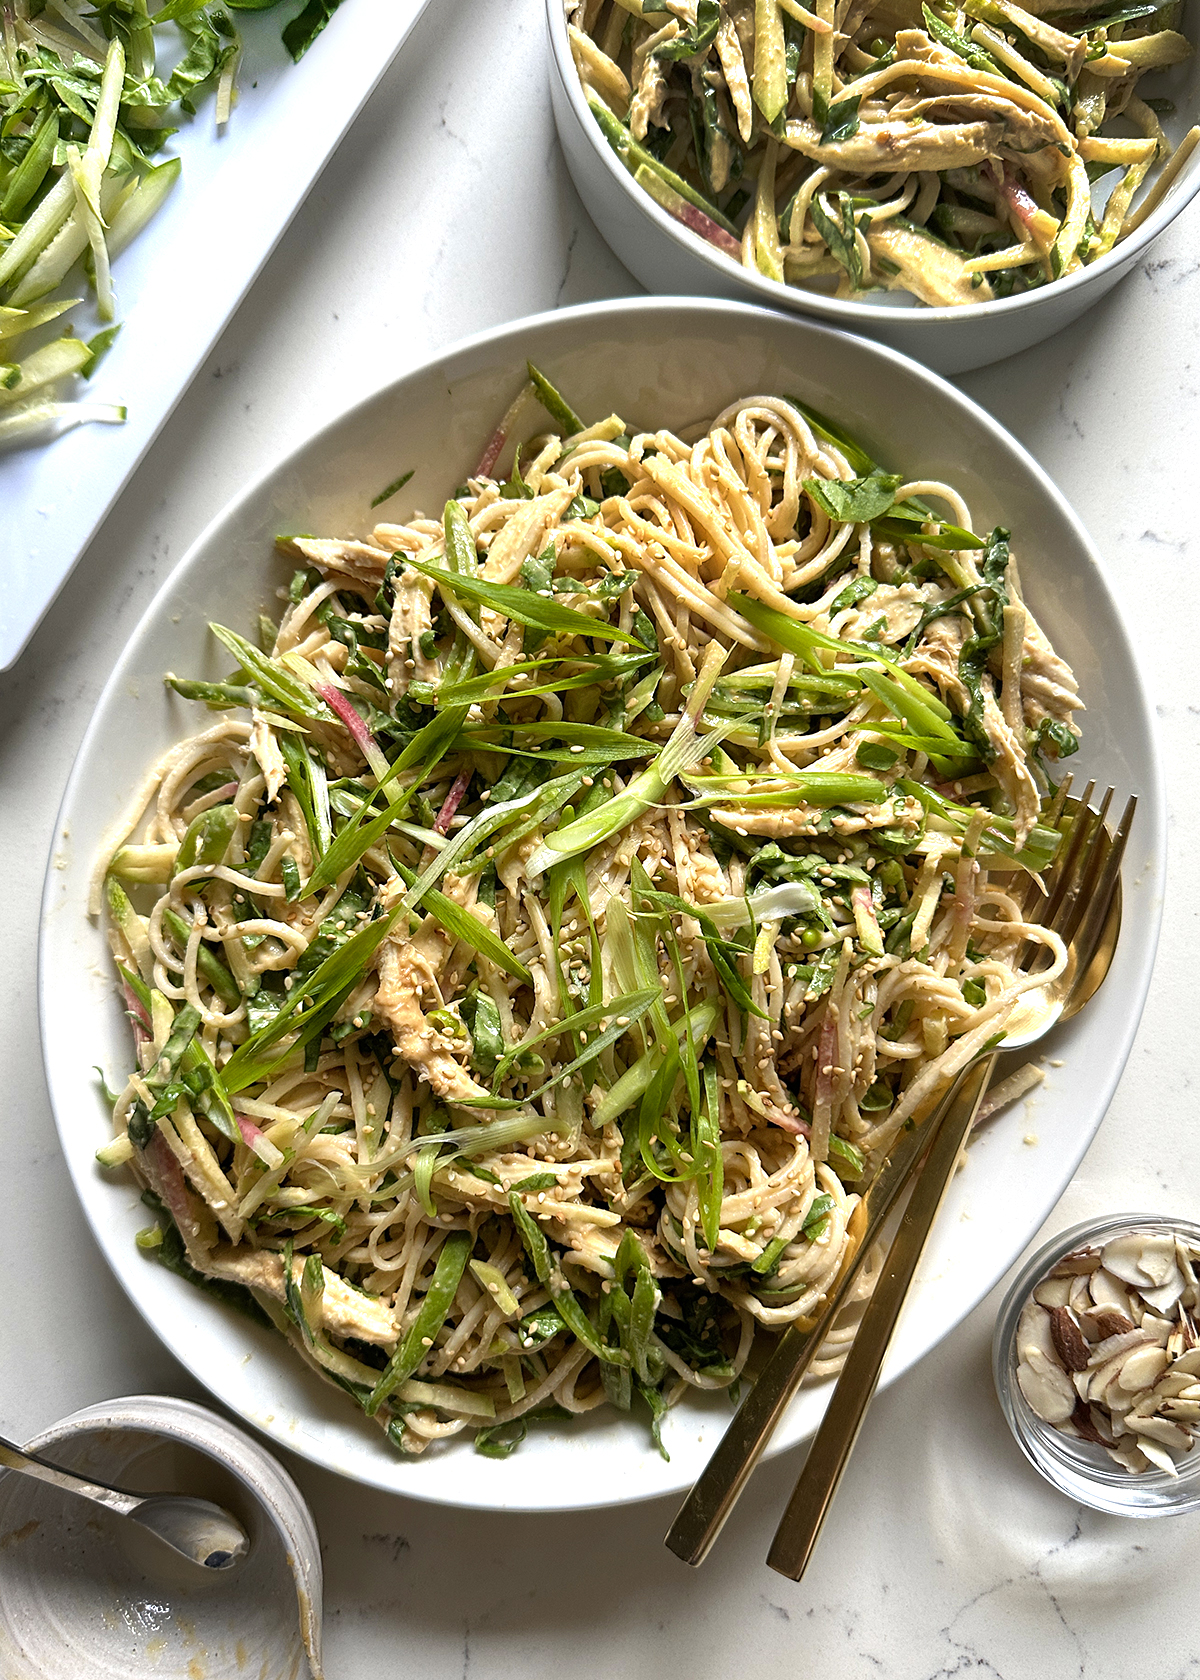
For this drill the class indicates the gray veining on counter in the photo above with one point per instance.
(448, 209)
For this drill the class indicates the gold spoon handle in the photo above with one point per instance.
(829, 1454)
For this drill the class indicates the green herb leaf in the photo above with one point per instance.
(856, 502)
(696, 39)
(842, 121)
(303, 30)
(396, 485)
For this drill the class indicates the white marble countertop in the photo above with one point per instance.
(449, 209)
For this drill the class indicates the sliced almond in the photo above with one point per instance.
(1143, 1368)
(1069, 1345)
(1105, 1426)
(1080, 1297)
(1082, 1418)
(1033, 1331)
(1160, 1456)
(1053, 1292)
(1159, 1328)
(1161, 1429)
(1183, 1411)
(1102, 1322)
(1174, 1383)
(1131, 1456)
(1102, 1376)
(1167, 1295)
(1140, 1258)
(1112, 1345)
(1107, 1292)
(1048, 1390)
(1077, 1263)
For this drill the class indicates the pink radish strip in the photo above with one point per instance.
(452, 801)
(787, 1122)
(704, 225)
(258, 1141)
(1023, 205)
(137, 1014)
(165, 1169)
(501, 435)
(337, 702)
(492, 453)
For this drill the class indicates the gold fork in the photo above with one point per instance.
(1083, 904)
(1084, 909)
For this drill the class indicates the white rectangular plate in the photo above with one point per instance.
(179, 283)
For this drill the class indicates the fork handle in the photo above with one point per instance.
(796, 1536)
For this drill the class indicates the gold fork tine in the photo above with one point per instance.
(1053, 816)
(1085, 831)
(1097, 932)
(1087, 871)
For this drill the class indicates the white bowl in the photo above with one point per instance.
(87, 1594)
(658, 361)
(666, 257)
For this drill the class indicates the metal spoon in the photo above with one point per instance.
(195, 1528)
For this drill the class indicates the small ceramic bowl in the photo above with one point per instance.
(86, 1594)
(667, 257)
(1076, 1467)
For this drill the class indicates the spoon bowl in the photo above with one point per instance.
(196, 1528)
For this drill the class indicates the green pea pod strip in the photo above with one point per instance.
(556, 407)
(639, 1323)
(208, 964)
(29, 174)
(182, 1033)
(532, 1236)
(582, 1328)
(207, 839)
(460, 540)
(422, 1332)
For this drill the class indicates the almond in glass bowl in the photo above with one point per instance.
(1097, 1363)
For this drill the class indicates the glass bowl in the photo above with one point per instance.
(1077, 1468)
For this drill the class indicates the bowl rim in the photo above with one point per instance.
(846, 312)
(581, 318)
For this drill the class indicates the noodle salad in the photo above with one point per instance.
(570, 901)
(945, 150)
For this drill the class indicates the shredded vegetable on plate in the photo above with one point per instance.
(568, 902)
(85, 107)
(945, 150)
